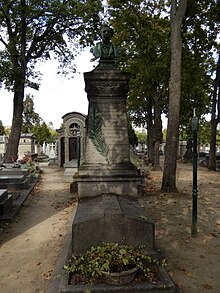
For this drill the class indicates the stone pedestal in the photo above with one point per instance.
(107, 167)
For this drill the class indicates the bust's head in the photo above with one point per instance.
(106, 33)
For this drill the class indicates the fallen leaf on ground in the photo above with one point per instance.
(207, 286)
(188, 274)
(47, 275)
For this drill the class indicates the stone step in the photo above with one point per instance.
(11, 178)
(6, 204)
(13, 171)
(13, 186)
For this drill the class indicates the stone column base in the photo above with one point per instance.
(120, 179)
(89, 186)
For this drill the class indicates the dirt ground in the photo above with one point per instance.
(193, 261)
(31, 242)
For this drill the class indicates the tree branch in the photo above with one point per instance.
(3, 42)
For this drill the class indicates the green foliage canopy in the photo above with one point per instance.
(30, 117)
(143, 30)
(144, 39)
(42, 133)
(31, 31)
(37, 30)
(2, 128)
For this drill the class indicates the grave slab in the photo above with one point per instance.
(11, 178)
(60, 278)
(15, 181)
(13, 171)
(18, 194)
(111, 218)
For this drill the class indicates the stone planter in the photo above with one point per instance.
(119, 278)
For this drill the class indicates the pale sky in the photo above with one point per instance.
(57, 95)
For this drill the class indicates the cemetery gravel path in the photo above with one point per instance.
(31, 242)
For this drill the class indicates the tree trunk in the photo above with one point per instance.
(215, 119)
(169, 173)
(11, 154)
(158, 137)
(20, 66)
(150, 131)
(150, 142)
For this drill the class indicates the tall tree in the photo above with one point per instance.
(215, 117)
(30, 31)
(42, 132)
(215, 114)
(2, 128)
(30, 117)
(178, 9)
(144, 53)
(199, 32)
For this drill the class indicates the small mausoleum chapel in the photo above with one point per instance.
(71, 140)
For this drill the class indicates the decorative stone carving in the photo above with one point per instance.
(107, 89)
(95, 131)
(73, 128)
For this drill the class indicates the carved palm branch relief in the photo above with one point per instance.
(95, 131)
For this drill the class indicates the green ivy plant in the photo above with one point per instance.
(110, 257)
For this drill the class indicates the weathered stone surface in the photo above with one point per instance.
(164, 285)
(6, 204)
(13, 182)
(11, 178)
(60, 280)
(13, 171)
(3, 194)
(108, 185)
(110, 218)
(5, 201)
(106, 167)
(11, 203)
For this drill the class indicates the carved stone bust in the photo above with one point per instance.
(105, 50)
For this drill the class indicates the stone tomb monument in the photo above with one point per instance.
(15, 185)
(108, 183)
(107, 167)
(106, 173)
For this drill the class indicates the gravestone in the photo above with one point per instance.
(106, 175)
(14, 181)
(16, 184)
